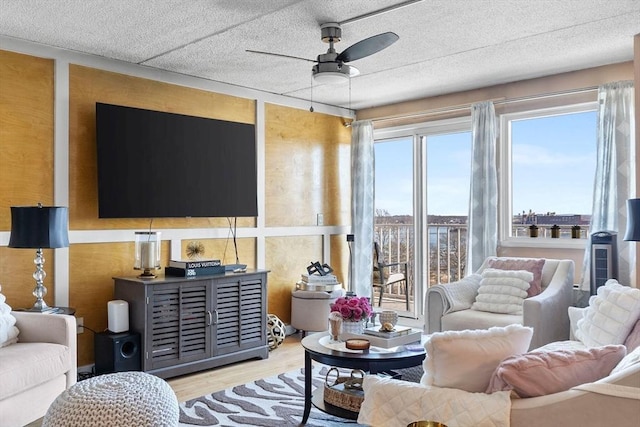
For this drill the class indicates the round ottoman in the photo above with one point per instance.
(120, 399)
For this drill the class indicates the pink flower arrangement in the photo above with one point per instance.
(352, 309)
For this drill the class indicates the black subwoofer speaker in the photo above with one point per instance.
(117, 352)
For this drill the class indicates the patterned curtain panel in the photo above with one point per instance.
(362, 207)
(483, 206)
(615, 176)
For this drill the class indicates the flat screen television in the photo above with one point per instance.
(154, 164)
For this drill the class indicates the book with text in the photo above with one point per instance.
(315, 278)
(193, 272)
(195, 264)
(397, 332)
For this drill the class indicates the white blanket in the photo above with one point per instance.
(458, 295)
(390, 403)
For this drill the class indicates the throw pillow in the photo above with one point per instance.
(8, 331)
(529, 264)
(633, 339)
(466, 359)
(539, 373)
(610, 316)
(502, 291)
(630, 359)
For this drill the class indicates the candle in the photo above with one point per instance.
(148, 254)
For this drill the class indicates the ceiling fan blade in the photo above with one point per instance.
(367, 47)
(280, 55)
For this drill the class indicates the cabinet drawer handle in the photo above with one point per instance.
(210, 322)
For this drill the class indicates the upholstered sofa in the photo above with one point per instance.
(36, 369)
(448, 306)
(591, 380)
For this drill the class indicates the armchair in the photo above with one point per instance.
(448, 307)
(383, 278)
(36, 369)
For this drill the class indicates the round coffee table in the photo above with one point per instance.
(372, 361)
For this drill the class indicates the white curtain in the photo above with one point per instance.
(362, 207)
(615, 176)
(482, 237)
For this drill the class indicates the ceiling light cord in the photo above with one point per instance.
(311, 97)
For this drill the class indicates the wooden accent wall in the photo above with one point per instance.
(307, 157)
(26, 163)
(308, 168)
(88, 86)
(307, 172)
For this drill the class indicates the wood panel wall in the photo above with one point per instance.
(26, 163)
(318, 177)
(308, 167)
(88, 86)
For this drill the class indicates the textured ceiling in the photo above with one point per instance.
(445, 45)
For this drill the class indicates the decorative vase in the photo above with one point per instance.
(352, 327)
(388, 316)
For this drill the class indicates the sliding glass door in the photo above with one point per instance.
(421, 204)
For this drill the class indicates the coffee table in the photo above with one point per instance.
(372, 361)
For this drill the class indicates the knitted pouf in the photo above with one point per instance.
(121, 399)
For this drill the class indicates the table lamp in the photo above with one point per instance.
(633, 220)
(38, 227)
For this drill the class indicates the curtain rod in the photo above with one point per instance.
(496, 101)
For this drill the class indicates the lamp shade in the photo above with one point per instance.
(37, 227)
(633, 220)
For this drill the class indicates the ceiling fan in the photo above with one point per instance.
(332, 67)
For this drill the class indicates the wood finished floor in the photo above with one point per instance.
(287, 357)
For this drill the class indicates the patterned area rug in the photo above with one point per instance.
(275, 401)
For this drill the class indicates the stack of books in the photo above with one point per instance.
(191, 268)
(316, 282)
(401, 335)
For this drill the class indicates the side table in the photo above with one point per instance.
(58, 310)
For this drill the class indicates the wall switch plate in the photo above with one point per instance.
(320, 219)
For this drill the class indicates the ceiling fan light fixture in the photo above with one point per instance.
(333, 72)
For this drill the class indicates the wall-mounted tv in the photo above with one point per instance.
(154, 164)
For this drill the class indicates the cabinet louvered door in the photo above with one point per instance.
(178, 320)
(241, 314)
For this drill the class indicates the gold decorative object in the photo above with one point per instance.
(195, 250)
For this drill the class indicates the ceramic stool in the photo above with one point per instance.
(310, 309)
(123, 399)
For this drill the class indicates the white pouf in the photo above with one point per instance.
(121, 399)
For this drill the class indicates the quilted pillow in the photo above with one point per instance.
(532, 265)
(610, 316)
(502, 291)
(466, 360)
(539, 373)
(8, 331)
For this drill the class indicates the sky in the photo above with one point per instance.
(553, 168)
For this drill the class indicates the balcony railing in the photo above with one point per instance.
(446, 261)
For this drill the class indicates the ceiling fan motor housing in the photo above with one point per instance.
(331, 32)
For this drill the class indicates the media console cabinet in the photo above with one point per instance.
(191, 324)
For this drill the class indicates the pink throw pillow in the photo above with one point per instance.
(633, 339)
(539, 373)
(533, 265)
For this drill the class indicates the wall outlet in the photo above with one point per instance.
(350, 237)
(80, 324)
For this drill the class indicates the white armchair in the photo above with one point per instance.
(546, 313)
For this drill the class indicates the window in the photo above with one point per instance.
(552, 159)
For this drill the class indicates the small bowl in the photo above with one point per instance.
(426, 424)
